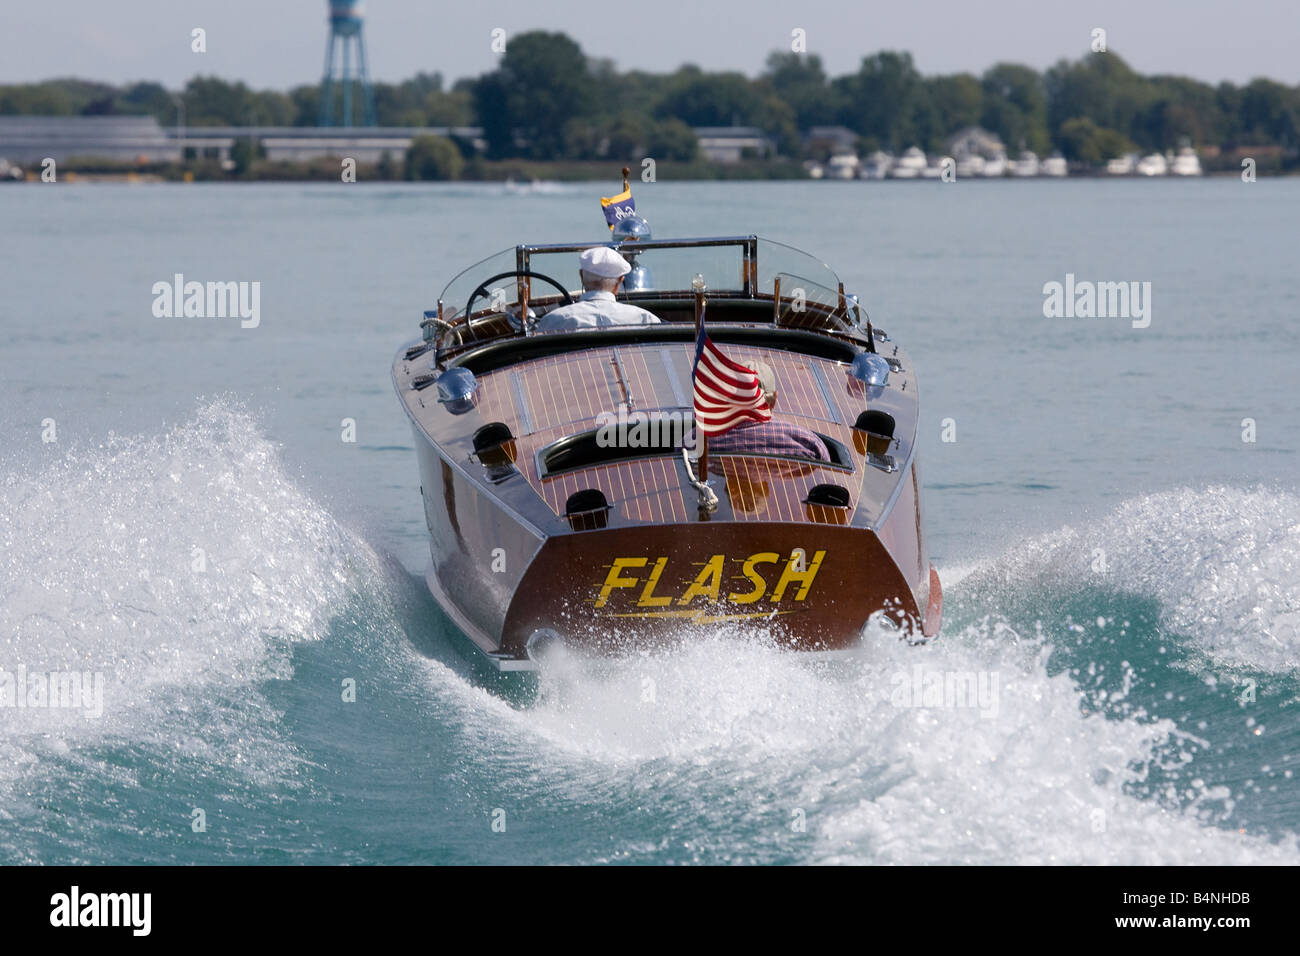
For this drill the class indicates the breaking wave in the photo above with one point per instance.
(181, 568)
(1223, 564)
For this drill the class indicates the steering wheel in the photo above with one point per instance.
(482, 289)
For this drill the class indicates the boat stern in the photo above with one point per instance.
(628, 588)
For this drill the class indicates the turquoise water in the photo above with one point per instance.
(1124, 565)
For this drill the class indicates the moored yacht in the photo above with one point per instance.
(909, 165)
(1124, 165)
(970, 166)
(1186, 163)
(1027, 165)
(877, 165)
(1152, 165)
(1054, 165)
(995, 167)
(843, 166)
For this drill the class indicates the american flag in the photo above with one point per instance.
(726, 392)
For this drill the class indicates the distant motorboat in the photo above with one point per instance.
(877, 166)
(1026, 165)
(910, 164)
(1186, 163)
(843, 166)
(970, 166)
(995, 168)
(1153, 165)
(1122, 165)
(1055, 165)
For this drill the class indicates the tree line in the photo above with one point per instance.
(546, 100)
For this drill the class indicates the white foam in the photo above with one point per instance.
(183, 567)
(737, 737)
(952, 575)
(1224, 564)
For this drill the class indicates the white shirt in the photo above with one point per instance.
(595, 310)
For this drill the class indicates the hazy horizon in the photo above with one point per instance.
(1210, 40)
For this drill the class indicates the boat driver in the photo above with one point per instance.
(783, 439)
(601, 270)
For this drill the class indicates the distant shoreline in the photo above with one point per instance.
(523, 173)
(81, 177)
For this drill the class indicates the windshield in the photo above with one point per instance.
(740, 265)
(663, 269)
(500, 293)
(778, 259)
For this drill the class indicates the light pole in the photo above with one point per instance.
(180, 121)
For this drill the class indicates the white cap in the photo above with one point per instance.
(603, 261)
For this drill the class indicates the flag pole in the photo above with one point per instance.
(702, 466)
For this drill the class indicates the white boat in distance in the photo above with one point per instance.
(968, 167)
(1054, 165)
(843, 166)
(1026, 165)
(909, 165)
(1186, 163)
(1153, 165)
(877, 165)
(1122, 165)
(995, 168)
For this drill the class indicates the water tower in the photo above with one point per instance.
(346, 38)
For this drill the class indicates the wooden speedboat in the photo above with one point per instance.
(561, 506)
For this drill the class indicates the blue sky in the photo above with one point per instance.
(280, 43)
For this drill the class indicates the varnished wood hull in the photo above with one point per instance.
(506, 563)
